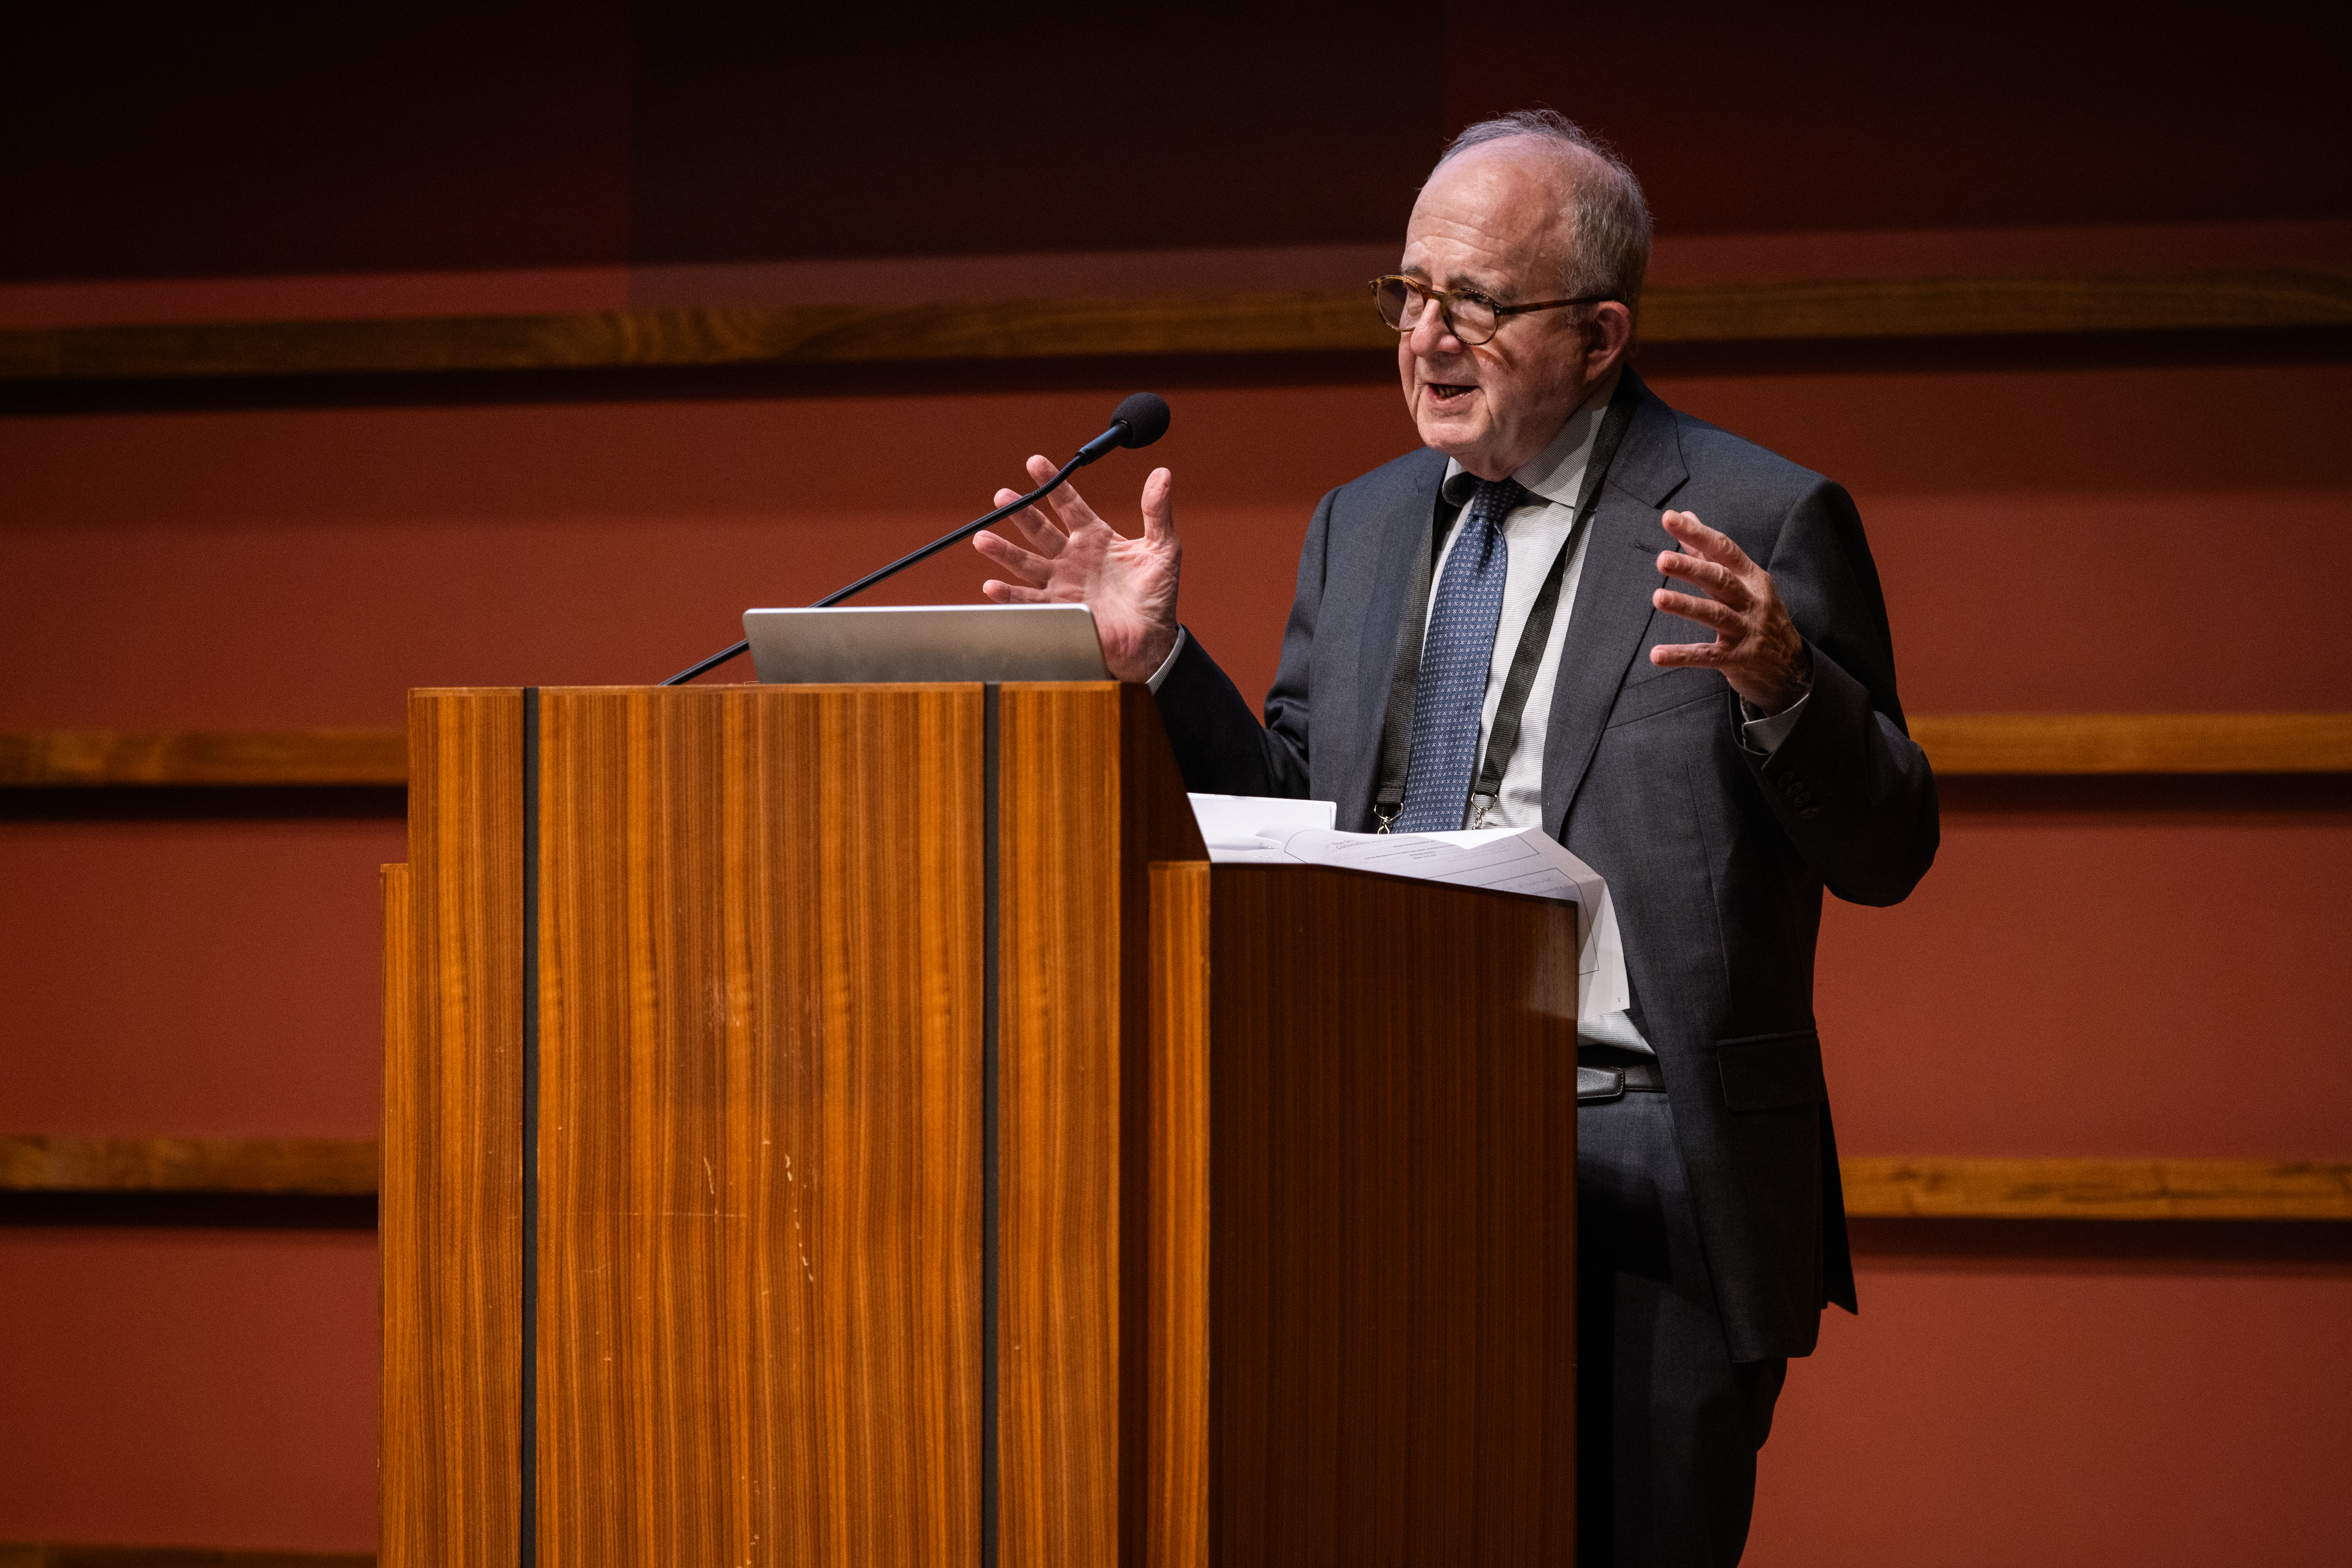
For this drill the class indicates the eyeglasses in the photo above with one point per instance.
(1469, 315)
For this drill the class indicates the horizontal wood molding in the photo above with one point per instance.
(339, 1167)
(2097, 1189)
(2060, 743)
(1875, 1189)
(204, 757)
(2024, 745)
(1997, 306)
(1836, 309)
(33, 1554)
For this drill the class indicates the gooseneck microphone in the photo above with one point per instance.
(1138, 422)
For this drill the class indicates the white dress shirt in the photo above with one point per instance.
(1534, 533)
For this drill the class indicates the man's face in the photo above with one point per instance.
(1491, 220)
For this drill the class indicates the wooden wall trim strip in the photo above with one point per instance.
(2097, 1189)
(2026, 744)
(36, 1555)
(204, 757)
(1832, 308)
(1875, 1187)
(2072, 743)
(1997, 306)
(308, 1166)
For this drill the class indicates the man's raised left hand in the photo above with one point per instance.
(1757, 645)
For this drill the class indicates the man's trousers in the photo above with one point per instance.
(1667, 1425)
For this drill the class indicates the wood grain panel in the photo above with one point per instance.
(2063, 744)
(1393, 1191)
(2097, 1189)
(343, 1167)
(760, 1126)
(204, 757)
(1062, 1039)
(451, 1208)
(1076, 327)
(1177, 1460)
(1089, 797)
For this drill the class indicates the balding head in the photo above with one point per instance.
(1603, 244)
(1499, 220)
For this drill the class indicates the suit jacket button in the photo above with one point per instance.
(1810, 811)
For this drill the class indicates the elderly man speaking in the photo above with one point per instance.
(1580, 609)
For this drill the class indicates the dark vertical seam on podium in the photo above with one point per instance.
(990, 997)
(529, 1522)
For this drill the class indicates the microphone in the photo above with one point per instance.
(1138, 422)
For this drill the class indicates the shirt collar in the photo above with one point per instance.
(1556, 473)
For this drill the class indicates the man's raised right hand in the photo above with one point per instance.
(1074, 557)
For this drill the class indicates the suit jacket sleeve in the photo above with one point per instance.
(1850, 787)
(1219, 746)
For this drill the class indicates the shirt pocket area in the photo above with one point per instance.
(1766, 1072)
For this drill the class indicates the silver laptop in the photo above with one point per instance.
(925, 642)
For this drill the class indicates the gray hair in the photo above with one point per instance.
(1608, 223)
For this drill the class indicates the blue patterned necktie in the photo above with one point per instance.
(1456, 653)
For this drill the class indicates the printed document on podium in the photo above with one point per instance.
(1247, 830)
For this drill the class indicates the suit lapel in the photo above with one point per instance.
(1612, 596)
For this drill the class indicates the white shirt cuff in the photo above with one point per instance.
(1167, 664)
(1765, 735)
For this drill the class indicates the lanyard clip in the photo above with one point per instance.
(1480, 804)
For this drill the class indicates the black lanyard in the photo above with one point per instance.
(1396, 728)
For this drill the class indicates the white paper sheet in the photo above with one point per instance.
(1248, 829)
(1239, 820)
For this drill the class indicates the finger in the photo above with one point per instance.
(1690, 655)
(1012, 594)
(1714, 578)
(1715, 546)
(1720, 619)
(1028, 565)
(1036, 527)
(1070, 507)
(1160, 507)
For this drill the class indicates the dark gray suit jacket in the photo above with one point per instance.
(1717, 856)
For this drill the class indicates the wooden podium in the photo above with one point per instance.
(856, 1125)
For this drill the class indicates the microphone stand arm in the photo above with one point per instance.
(1086, 455)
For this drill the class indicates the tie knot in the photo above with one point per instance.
(1497, 499)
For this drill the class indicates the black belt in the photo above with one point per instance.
(1605, 1072)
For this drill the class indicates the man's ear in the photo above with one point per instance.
(1611, 340)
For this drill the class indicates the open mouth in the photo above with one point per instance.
(1443, 392)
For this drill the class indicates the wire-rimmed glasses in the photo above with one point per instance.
(1470, 316)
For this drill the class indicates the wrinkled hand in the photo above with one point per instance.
(1074, 557)
(1757, 645)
